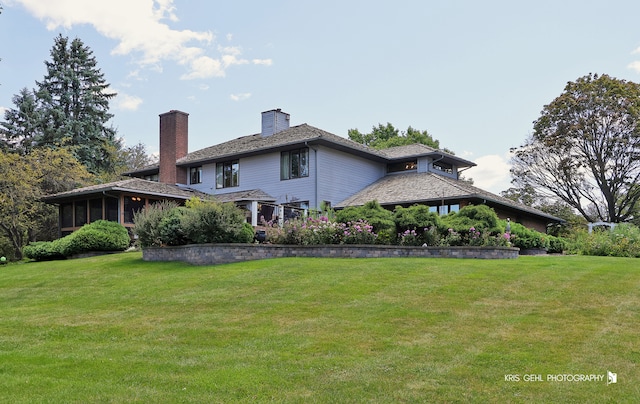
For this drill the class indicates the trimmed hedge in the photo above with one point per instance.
(100, 235)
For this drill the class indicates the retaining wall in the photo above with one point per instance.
(213, 254)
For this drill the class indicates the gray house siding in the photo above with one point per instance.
(262, 172)
(342, 174)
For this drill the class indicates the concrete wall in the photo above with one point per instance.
(213, 254)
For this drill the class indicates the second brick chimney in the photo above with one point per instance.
(174, 144)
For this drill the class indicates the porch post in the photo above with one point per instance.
(254, 213)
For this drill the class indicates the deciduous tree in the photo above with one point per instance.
(585, 149)
(384, 136)
(24, 180)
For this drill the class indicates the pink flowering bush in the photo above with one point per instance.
(409, 237)
(358, 232)
(312, 231)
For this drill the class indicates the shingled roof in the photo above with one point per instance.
(305, 134)
(132, 185)
(409, 188)
(256, 144)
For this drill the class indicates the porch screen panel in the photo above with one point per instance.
(81, 213)
(67, 214)
(95, 210)
(111, 210)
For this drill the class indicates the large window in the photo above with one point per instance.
(195, 174)
(227, 174)
(294, 164)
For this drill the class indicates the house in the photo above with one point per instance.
(284, 170)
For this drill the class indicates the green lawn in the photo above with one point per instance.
(117, 329)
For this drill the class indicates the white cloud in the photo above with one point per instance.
(127, 102)
(240, 96)
(140, 28)
(491, 173)
(634, 66)
(264, 62)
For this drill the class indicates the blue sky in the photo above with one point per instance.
(473, 74)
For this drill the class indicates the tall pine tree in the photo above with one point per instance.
(74, 103)
(22, 126)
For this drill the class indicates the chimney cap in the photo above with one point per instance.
(174, 111)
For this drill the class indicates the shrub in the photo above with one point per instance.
(248, 233)
(622, 241)
(415, 217)
(43, 251)
(524, 238)
(416, 225)
(358, 232)
(472, 225)
(213, 222)
(100, 235)
(170, 228)
(557, 245)
(480, 217)
(147, 223)
(375, 215)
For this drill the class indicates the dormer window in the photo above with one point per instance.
(444, 167)
(411, 165)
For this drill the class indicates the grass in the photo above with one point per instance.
(117, 329)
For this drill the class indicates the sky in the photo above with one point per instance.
(475, 75)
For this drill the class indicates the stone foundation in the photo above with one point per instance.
(213, 254)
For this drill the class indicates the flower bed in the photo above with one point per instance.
(214, 254)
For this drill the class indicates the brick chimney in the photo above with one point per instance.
(274, 121)
(174, 144)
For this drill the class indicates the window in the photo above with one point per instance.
(227, 174)
(195, 174)
(132, 204)
(95, 210)
(294, 164)
(444, 209)
(411, 165)
(444, 167)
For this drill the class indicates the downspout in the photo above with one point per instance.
(315, 163)
(435, 161)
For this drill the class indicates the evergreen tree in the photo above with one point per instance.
(22, 125)
(75, 106)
